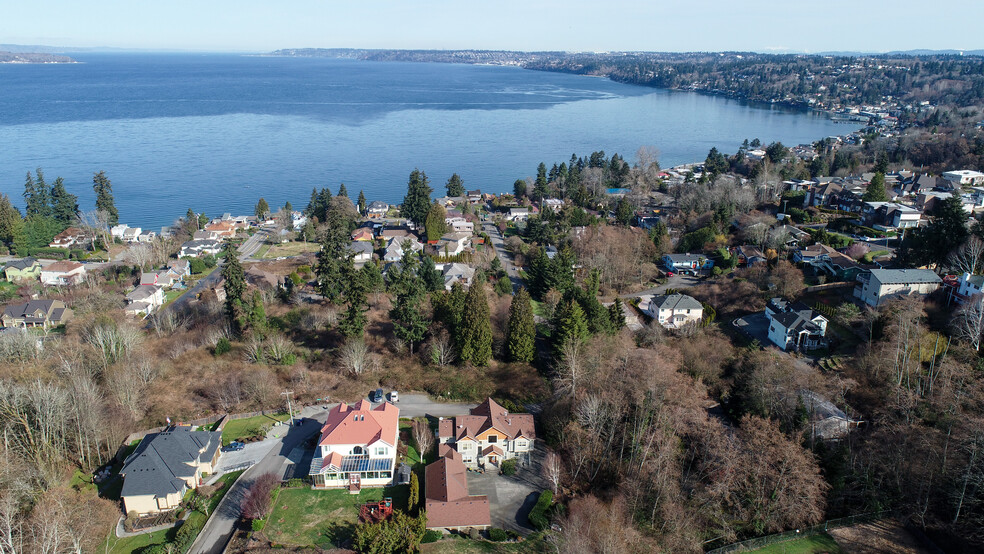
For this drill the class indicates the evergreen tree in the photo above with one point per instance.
(36, 196)
(876, 189)
(312, 203)
(408, 323)
(476, 329)
(933, 243)
(333, 262)
(448, 308)
(322, 205)
(64, 206)
(342, 191)
(436, 224)
(354, 322)
(417, 202)
(414, 493)
(288, 207)
(235, 288)
(262, 209)
(569, 325)
(616, 315)
(455, 187)
(503, 286)
(623, 212)
(11, 224)
(540, 190)
(372, 277)
(362, 203)
(257, 313)
(520, 345)
(104, 197)
(191, 219)
(519, 188)
(430, 276)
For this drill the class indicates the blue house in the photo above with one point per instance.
(687, 262)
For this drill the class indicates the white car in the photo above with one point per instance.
(394, 396)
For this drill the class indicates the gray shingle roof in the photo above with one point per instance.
(163, 460)
(905, 276)
(21, 264)
(675, 302)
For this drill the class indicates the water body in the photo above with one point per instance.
(216, 132)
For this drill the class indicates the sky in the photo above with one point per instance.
(571, 25)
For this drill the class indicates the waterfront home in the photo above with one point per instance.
(73, 236)
(376, 209)
(488, 435)
(36, 313)
(195, 248)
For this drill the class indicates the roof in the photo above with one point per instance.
(683, 258)
(25, 263)
(446, 494)
(905, 276)
(675, 302)
(361, 424)
(361, 247)
(485, 416)
(53, 310)
(63, 266)
(143, 292)
(162, 461)
(377, 205)
(798, 321)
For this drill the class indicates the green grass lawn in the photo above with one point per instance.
(288, 249)
(320, 518)
(238, 429)
(453, 544)
(813, 544)
(171, 296)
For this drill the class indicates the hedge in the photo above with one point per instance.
(498, 535)
(431, 536)
(538, 515)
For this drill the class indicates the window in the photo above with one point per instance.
(492, 439)
(520, 444)
(357, 450)
(380, 450)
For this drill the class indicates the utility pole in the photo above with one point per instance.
(290, 411)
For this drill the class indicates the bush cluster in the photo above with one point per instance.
(538, 515)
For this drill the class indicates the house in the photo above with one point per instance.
(116, 231)
(131, 234)
(672, 311)
(398, 232)
(457, 273)
(967, 286)
(395, 248)
(144, 299)
(62, 273)
(824, 259)
(822, 195)
(26, 269)
(795, 326)
(963, 177)
(202, 234)
(795, 235)
(36, 313)
(475, 197)
(162, 277)
(552, 204)
(363, 234)
(357, 447)
(453, 243)
(686, 262)
(146, 236)
(376, 209)
(448, 505)
(222, 229)
(68, 238)
(462, 226)
(165, 466)
(200, 247)
(827, 421)
(361, 251)
(180, 268)
(488, 435)
(518, 214)
(879, 285)
(886, 216)
(748, 255)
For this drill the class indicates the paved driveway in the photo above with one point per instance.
(678, 281)
(511, 498)
(755, 326)
(250, 454)
(499, 245)
(419, 405)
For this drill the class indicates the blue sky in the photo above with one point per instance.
(582, 25)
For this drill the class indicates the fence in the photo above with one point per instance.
(759, 542)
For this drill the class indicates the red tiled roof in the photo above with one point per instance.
(361, 424)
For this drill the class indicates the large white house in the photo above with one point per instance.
(488, 435)
(880, 285)
(964, 177)
(672, 311)
(795, 326)
(357, 447)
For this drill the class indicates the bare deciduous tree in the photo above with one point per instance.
(422, 436)
(570, 368)
(968, 323)
(442, 349)
(354, 357)
(969, 258)
(552, 469)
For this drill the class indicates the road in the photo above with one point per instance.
(253, 244)
(220, 526)
(504, 256)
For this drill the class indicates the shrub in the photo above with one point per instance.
(257, 524)
(155, 549)
(432, 536)
(222, 346)
(508, 467)
(186, 535)
(498, 535)
(538, 515)
(196, 265)
(474, 534)
(296, 483)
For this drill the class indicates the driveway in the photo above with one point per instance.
(253, 244)
(755, 326)
(511, 497)
(677, 282)
(420, 405)
(249, 455)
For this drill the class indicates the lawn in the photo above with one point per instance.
(171, 296)
(289, 249)
(256, 426)
(806, 545)
(453, 544)
(321, 518)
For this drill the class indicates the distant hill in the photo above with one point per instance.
(33, 57)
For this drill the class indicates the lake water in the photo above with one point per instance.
(216, 132)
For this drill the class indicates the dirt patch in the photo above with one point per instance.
(878, 537)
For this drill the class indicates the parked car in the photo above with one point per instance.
(394, 396)
(376, 395)
(670, 274)
(234, 446)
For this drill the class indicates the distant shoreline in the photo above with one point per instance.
(33, 58)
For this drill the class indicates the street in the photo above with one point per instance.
(504, 256)
(677, 282)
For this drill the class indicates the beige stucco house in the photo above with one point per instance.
(488, 435)
(881, 285)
